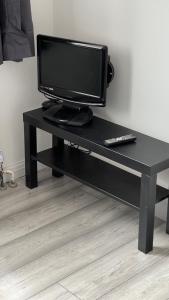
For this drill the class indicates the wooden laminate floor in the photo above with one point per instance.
(66, 241)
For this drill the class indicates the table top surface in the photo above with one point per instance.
(147, 155)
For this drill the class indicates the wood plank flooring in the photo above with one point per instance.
(66, 241)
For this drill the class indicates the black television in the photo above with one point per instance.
(73, 72)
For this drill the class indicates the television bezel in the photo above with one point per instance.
(68, 95)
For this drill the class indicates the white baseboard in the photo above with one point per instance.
(19, 168)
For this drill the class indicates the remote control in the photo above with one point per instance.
(120, 140)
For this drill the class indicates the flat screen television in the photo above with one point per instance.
(72, 71)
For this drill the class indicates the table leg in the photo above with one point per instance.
(58, 145)
(167, 227)
(147, 212)
(30, 150)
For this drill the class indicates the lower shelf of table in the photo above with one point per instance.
(98, 174)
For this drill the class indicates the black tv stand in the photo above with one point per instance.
(148, 156)
(71, 115)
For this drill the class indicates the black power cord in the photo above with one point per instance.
(75, 146)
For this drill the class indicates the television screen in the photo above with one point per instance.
(72, 70)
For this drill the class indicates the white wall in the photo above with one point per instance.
(137, 33)
(18, 91)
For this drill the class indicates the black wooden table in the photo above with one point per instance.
(148, 156)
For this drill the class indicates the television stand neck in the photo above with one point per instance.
(69, 114)
(57, 101)
(74, 106)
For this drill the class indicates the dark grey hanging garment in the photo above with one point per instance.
(16, 30)
(1, 56)
(1, 10)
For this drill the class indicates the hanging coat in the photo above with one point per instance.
(16, 30)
